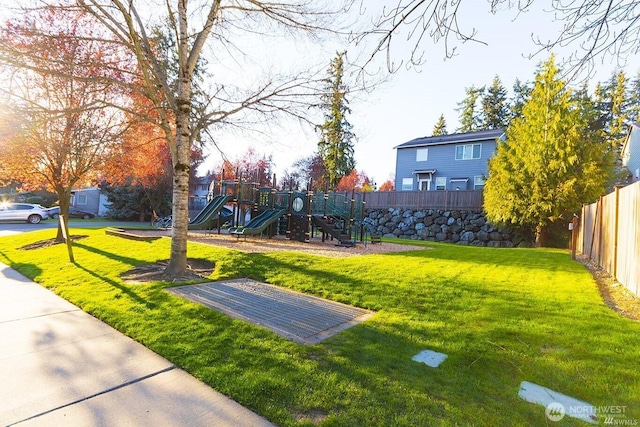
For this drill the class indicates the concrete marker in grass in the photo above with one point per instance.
(556, 404)
(430, 358)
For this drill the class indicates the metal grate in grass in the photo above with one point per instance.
(302, 318)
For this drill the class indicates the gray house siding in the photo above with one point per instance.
(88, 200)
(631, 152)
(442, 170)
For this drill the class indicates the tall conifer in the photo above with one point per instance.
(550, 163)
(336, 136)
(495, 109)
(521, 92)
(440, 127)
(469, 117)
(619, 111)
(634, 99)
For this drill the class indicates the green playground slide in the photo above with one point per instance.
(255, 222)
(204, 220)
(258, 224)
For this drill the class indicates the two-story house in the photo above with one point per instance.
(631, 152)
(446, 162)
(199, 192)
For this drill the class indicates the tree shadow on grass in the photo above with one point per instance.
(118, 285)
(503, 338)
(111, 255)
(269, 269)
(490, 352)
(28, 270)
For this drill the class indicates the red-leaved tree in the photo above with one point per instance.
(355, 181)
(61, 71)
(387, 186)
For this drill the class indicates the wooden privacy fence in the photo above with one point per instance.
(459, 199)
(610, 235)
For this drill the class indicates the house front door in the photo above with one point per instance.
(424, 184)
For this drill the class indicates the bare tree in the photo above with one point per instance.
(601, 29)
(217, 25)
(597, 28)
(415, 21)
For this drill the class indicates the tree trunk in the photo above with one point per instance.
(64, 201)
(181, 168)
(541, 235)
(181, 153)
(178, 261)
(59, 234)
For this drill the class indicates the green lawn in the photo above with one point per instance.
(502, 315)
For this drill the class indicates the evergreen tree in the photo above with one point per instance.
(521, 92)
(495, 109)
(551, 162)
(440, 127)
(613, 104)
(469, 119)
(595, 131)
(619, 112)
(594, 127)
(589, 110)
(130, 201)
(602, 102)
(336, 138)
(634, 99)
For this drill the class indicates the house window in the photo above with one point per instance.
(459, 183)
(81, 199)
(478, 182)
(441, 183)
(422, 154)
(468, 151)
(407, 184)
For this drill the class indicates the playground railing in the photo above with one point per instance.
(338, 204)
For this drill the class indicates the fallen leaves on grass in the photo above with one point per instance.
(615, 295)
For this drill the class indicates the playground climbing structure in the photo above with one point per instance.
(262, 210)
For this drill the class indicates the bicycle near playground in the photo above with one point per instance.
(162, 222)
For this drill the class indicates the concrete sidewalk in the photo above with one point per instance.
(60, 366)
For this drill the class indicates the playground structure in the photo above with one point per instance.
(253, 210)
(214, 214)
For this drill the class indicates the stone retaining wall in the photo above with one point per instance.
(450, 226)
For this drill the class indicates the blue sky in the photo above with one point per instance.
(409, 104)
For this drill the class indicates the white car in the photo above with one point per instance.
(31, 213)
